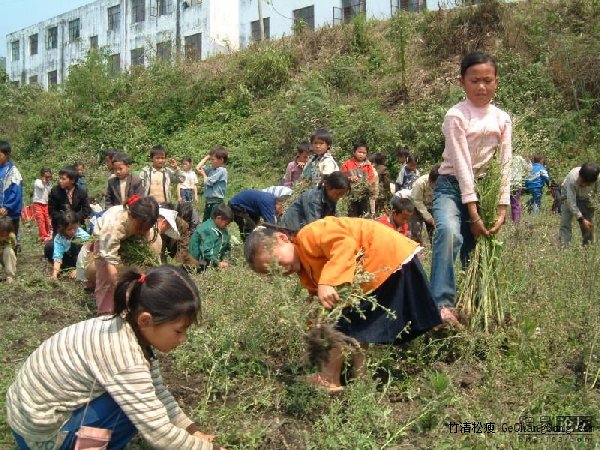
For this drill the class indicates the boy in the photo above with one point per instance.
(538, 178)
(407, 176)
(67, 195)
(187, 192)
(422, 196)
(402, 154)
(157, 179)
(210, 243)
(124, 184)
(107, 157)
(250, 205)
(41, 190)
(175, 234)
(402, 211)
(294, 169)
(8, 244)
(11, 189)
(215, 180)
(576, 193)
(321, 162)
(81, 184)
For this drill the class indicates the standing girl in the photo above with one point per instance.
(473, 129)
(102, 374)
(326, 254)
(136, 218)
(359, 168)
(41, 189)
(316, 203)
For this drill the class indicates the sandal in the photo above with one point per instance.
(318, 381)
(449, 318)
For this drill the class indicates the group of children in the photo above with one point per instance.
(104, 371)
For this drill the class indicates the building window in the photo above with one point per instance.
(33, 44)
(256, 29)
(33, 79)
(115, 63)
(193, 46)
(52, 78)
(165, 7)
(163, 51)
(93, 42)
(14, 45)
(137, 57)
(306, 15)
(408, 5)
(114, 18)
(52, 38)
(74, 30)
(138, 11)
(352, 8)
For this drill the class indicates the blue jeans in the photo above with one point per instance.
(534, 204)
(187, 195)
(102, 412)
(452, 236)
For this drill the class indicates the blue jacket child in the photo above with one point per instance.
(538, 178)
(11, 187)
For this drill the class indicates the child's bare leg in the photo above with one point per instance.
(332, 370)
(358, 361)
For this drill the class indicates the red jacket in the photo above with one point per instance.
(353, 167)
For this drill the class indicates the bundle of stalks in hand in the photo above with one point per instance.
(136, 252)
(481, 293)
(361, 189)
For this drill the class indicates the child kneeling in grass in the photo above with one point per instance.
(325, 255)
(65, 251)
(103, 372)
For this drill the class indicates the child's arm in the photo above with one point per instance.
(60, 247)
(505, 163)
(195, 190)
(179, 192)
(287, 177)
(13, 196)
(216, 176)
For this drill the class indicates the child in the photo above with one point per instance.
(278, 191)
(66, 195)
(107, 157)
(321, 162)
(210, 243)
(383, 178)
(519, 169)
(11, 189)
(64, 251)
(41, 190)
(473, 129)
(158, 178)
(8, 245)
(294, 169)
(215, 180)
(81, 184)
(104, 373)
(407, 176)
(250, 205)
(402, 154)
(577, 192)
(538, 178)
(175, 234)
(422, 197)
(136, 218)
(326, 254)
(402, 211)
(359, 168)
(187, 192)
(124, 184)
(316, 203)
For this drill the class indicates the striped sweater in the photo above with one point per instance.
(82, 362)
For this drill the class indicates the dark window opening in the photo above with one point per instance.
(52, 38)
(306, 15)
(114, 18)
(256, 29)
(33, 44)
(137, 57)
(74, 30)
(193, 46)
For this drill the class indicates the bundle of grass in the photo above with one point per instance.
(481, 293)
(136, 252)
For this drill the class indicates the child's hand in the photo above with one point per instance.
(3, 211)
(499, 221)
(353, 178)
(204, 437)
(478, 228)
(587, 225)
(173, 163)
(328, 296)
(223, 265)
(301, 164)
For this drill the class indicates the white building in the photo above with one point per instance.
(133, 32)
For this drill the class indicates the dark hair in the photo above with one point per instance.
(66, 218)
(434, 173)
(70, 172)
(5, 147)
(323, 134)
(185, 211)
(303, 147)
(475, 58)
(79, 163)
(219, 152)
(224, 212)
(157, 150)
(166, 292)
(336, 180)
(145, 210)
(402, 151)
(187, 159)
(411, 159)
(400, 204)
(537, 158)
(378, 158)
(6, 225)
(358, 145)
(44, 170)
(122, 158)
(589, 172)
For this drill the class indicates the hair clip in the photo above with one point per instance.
(134, 198)
(142, 278)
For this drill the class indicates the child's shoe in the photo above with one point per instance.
(9, 280)
(320, 382)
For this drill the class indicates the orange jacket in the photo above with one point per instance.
(328, 250)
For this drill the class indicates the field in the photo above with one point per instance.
(241, 372)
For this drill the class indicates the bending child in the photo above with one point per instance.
(65, 251)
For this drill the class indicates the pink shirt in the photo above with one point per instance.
(472, 135)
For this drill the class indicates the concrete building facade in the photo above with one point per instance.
(133, 32)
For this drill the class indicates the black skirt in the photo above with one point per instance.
(406, 292)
